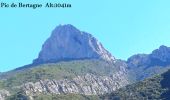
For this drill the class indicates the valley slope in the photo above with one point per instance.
(155, 88)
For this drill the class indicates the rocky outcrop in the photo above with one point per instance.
(68, 43)
(143, 66)
(88, 84)
(4, 94)
(158, 57)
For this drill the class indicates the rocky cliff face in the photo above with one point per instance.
(4, 94)
(87, 77)
(68, 43)
(89, 84)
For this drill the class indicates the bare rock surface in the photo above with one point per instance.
(88, 84)
(4, 94)
(68, 43)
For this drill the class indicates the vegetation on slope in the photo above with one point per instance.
(156, 88)
(63, 70)
(142, 72)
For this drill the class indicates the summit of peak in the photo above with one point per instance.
(69, 43)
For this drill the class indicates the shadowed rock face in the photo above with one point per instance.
(161, 56)
(158, 57)
(68, 43)
(145, 65)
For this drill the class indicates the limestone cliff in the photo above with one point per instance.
(4, 94)
(88, 84)
(68, 43)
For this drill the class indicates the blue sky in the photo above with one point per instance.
(124, 27)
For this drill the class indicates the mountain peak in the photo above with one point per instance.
(66, 27)
(162, 53)
(69, 43)
(163, 47)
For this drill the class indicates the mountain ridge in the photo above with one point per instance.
(145, 65)
(70, 57)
